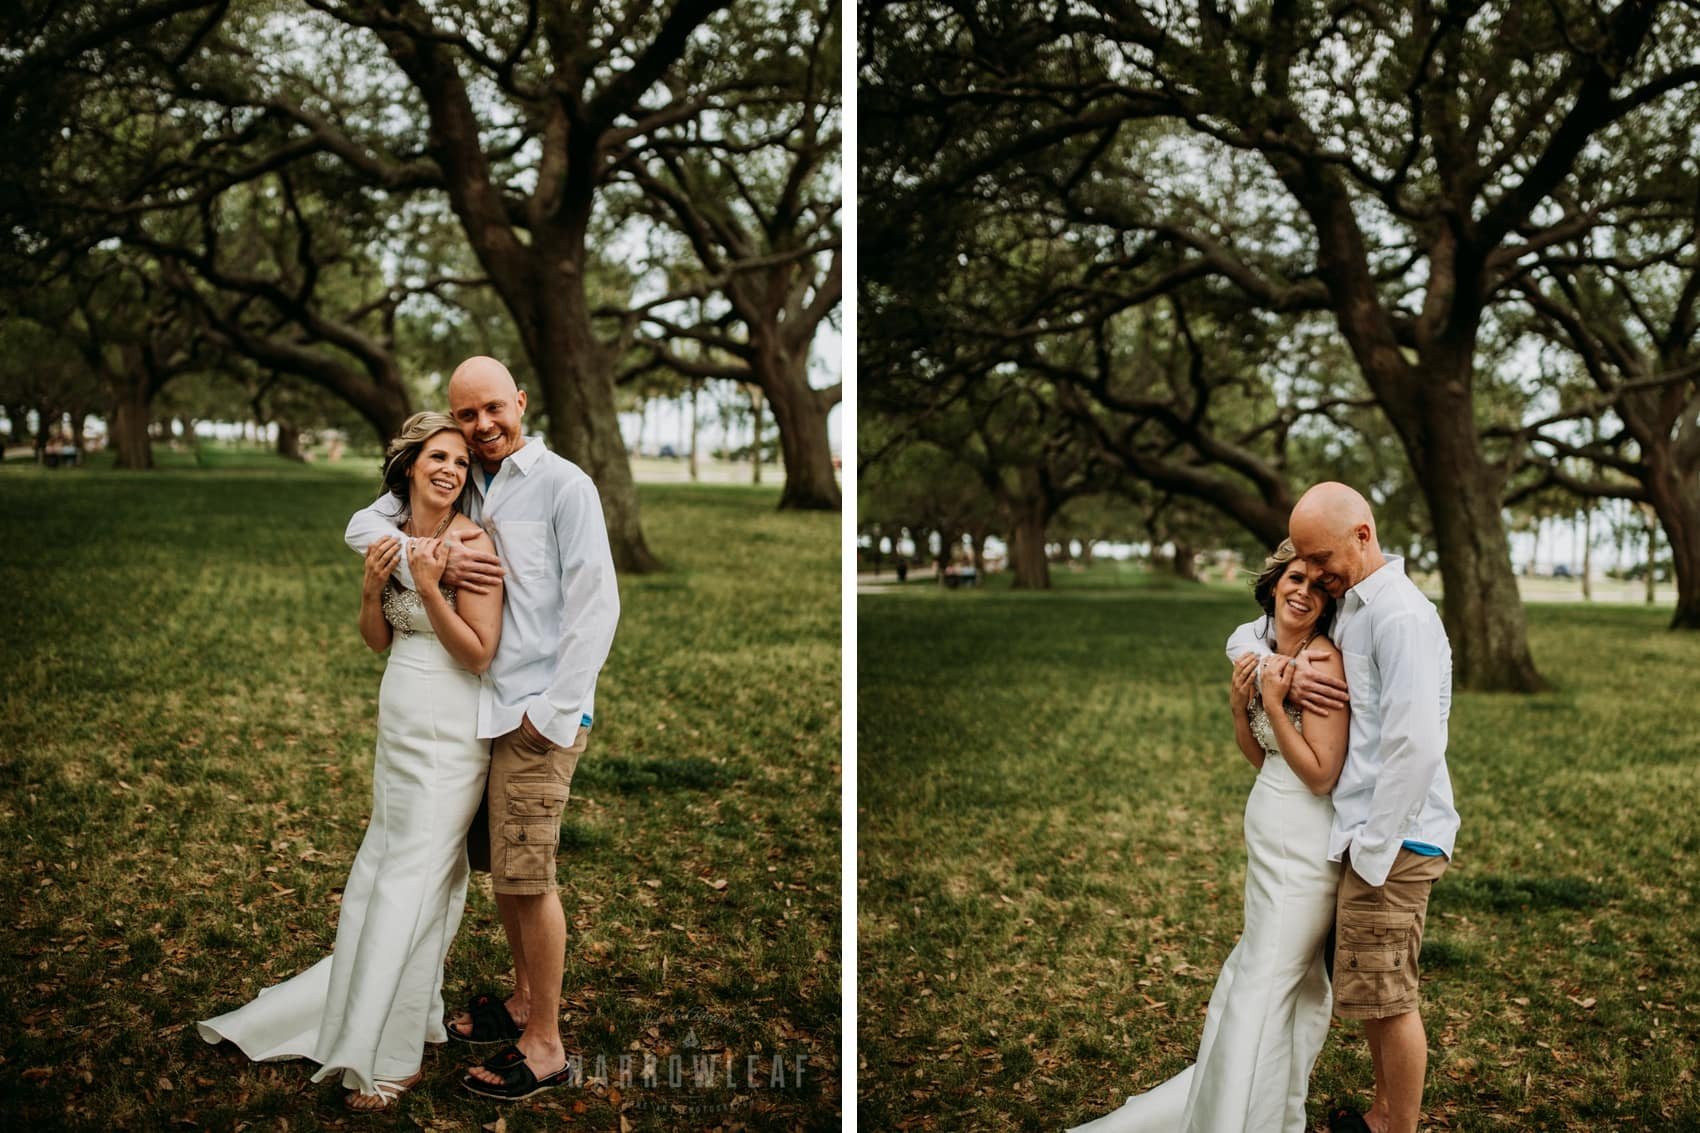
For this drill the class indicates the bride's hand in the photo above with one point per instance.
(381, 559)
(1277, 679)
(426, 559)
(1245, 678)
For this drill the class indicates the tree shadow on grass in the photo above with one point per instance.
(634, 776)
(1498, 894)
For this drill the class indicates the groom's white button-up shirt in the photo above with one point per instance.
(1394, 786)
(561, 600)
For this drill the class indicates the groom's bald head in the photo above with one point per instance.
(1333, 531)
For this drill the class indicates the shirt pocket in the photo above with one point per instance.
(1362, 681)
(525, 547)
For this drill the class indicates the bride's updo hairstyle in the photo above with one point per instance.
(1263, 589)
(404, 450)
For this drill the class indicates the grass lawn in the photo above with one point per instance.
(185, 774)
(1051, 865)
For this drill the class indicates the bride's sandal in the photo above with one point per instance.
(389, 1092)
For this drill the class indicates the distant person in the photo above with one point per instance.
(368, 1009)
(535, 707)
(902, 568)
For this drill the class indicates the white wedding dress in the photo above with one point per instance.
(1268, 1016)
(369, 1007)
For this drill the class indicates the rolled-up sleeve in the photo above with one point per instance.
(1245, 639)
(590, 610)
(1409, 655)
(372, 523)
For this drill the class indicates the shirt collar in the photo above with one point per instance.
(527, 454)
(521, 460)
(1369, 588)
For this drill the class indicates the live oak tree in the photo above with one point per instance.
(1628, 316)
(513, 118)
(107, 338)
(1390, 165)
(753, 192)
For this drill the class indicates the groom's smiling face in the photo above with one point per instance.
(489, 408)
(1334, 560)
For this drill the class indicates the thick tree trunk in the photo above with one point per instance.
(289, 441)
(800, 412)
(1677, 502)
(1672, 482)
(1482, 609)
(1027, 548)
(44, 417)
(578, 392)
(1186, 561)
(131, 409)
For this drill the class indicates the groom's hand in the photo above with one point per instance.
(532, 738)
(469, 568)
(1314, 691)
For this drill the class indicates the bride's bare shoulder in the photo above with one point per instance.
(469, 531)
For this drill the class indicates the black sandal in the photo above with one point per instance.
(518, 1081)
(1345, 1119)
(491, 1022)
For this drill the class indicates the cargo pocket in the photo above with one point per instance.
(536, 798)
(531, 850)
(533, 828)
(1374, 965)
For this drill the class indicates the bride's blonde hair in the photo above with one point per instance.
(1263, 587)
(404, 449)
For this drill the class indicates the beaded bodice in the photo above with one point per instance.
(405, 610)
(1263, 731)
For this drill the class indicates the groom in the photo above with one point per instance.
(1394, 822)
(561, 605)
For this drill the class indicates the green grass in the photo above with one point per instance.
(1051, 864)
(185, 760)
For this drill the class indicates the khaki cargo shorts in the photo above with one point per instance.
(1378, 936)
(518, 827)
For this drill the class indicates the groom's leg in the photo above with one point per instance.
(1376, 976)
(527, 792)
(1400, 1049)
(1372, 1036)
(519, 1005)
(543, 943)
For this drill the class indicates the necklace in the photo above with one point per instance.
(448, 517)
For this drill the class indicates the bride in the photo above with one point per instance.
(369, 1007)
(1269, 1013)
